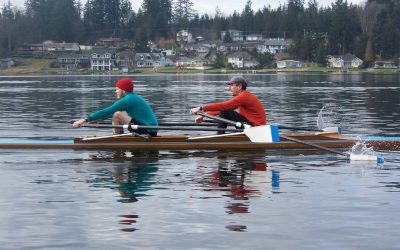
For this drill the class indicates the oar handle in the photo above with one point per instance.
(236, 124)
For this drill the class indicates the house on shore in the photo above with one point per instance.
(242, 59)
(48, 47)
(73, 61)
(273, 46)
(184, 37)
(152, 60)
(6, 63)
(288, 64)
(344, 61)
(235, 35)
(388, 64)
(103, 59)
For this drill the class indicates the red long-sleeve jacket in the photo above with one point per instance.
(248, 105)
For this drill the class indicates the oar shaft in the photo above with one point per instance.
(188, 124)
(296, 128)
(217, 118)
(178, 124)
(213, 123)
(311, 145)
(135, 127)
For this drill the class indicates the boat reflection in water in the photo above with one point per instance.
(241, 180)
(235, 179)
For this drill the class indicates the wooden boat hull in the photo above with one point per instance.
(181, 142)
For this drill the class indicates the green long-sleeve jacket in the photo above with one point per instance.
(134, 105)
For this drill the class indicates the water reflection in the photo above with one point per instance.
(132, 175)
(241, 180)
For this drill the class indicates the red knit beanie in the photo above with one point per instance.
(125, 84)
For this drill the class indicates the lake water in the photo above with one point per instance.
(275, 199)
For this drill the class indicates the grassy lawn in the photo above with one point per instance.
(32, 66)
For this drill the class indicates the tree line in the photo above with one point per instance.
(370, 31)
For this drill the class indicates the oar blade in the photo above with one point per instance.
(375, 158)
(332, 129)
(263, 134)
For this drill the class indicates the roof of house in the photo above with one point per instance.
(103, 51)
(275, 42)
(148, 56)
(345, 57)
(241, 54)
(73, 56)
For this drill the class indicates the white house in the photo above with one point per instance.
(285, 64)
(236, 35)
(201, 48)
(242, 59)
(254, 37)
(273, 46)
(389, 64)
(152, 60)
(184, 36)
(228, 47)
(344, 61)
(102, 59)
(52, 46)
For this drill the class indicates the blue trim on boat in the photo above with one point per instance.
(380, 138)
(35, 142)
(274, 133)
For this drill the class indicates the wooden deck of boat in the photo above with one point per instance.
(181, 142)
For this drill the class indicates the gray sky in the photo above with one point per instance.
(225, 6)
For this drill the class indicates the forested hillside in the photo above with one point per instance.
(371, 31)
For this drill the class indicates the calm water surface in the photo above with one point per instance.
(66, 199)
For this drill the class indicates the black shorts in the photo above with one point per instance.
(141, 131)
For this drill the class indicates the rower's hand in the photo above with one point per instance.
(199, 119)
(195, 111)
(79, 123)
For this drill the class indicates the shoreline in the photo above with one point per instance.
(34, 67)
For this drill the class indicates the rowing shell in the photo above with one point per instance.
(132, 142)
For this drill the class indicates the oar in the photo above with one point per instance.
(177, 124)
(239, 124)
(353, 157)
(261, 134)
(136, 127)
(213, 124)
(327, 129)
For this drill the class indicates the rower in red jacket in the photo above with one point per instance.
(250, 108)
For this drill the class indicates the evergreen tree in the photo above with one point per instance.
(314, 31)
(183, 12)
(106, 18)
(6, 29)
(294, 20)
(157, 18)
(247, 17)
(227, 38)
(344, 28)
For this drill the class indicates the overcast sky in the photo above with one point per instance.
(225, 6)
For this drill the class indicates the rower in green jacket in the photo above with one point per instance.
(130, 108)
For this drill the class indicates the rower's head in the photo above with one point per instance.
(237, 84)
(123, 86)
